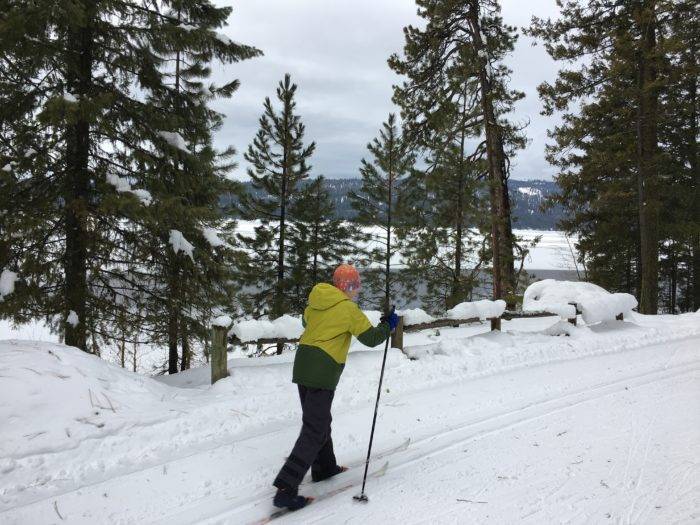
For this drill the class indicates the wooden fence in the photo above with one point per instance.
(219, 346)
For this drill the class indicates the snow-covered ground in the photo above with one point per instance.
(514, 426)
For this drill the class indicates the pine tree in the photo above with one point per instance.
(634, 138)
(278, 165)
(320, 241)
(619, 43)
(442, 238)
(82, 131)
(380, 204)
(457, 86)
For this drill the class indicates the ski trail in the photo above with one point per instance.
(450, 439)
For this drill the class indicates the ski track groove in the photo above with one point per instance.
(561, 404)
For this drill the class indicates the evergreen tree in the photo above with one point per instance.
(83, 127)
(380, 204)
(615, 150)
(456, 90)
(438, 242)
(278, 165)
(320, 241)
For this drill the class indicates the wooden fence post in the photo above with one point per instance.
(397, 335)
(218, 353)
(495, 324)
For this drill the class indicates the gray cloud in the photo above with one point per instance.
(336, 52)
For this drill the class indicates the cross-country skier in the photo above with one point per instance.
(330, 320)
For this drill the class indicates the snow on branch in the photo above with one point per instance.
(223, 321)
(223, 38)
(212, 237)
(174, 139)
(122, 185)
(180, 244)
(72, 319)
(7, 283)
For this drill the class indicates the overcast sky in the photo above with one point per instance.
(336, 52)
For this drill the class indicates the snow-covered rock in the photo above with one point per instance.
(484, 309)
(180, 244)
(7, 168)
(7, 283)
(595, 303)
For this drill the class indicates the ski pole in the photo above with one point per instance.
(362, 497)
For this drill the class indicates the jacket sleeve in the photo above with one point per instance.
(361, 328)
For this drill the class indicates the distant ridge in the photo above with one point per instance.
(526, 199)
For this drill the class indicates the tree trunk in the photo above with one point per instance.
(694, 292)
(173, 315)
(387, 270)
(77, 184)
(647, 177)
(501, 228)
(185, 363)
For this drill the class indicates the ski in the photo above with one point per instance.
(333, 492)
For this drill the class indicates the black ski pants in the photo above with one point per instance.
(314, 446)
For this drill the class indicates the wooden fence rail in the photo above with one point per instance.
(396, 336)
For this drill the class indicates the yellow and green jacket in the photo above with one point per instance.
(330, 320)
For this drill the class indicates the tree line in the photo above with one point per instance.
(110, 211)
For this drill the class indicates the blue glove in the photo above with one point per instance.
(391, 318)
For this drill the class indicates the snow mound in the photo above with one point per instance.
(54, 397)
(286, 327)
(415, 316)
(595, 303)
(484, 309)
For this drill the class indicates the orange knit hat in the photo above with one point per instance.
(346, 278)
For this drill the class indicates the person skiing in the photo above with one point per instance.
(330, 320)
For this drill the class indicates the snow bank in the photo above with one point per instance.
(180, 244)
(415, 316)
(122, 185)
(54, 397)
(484, 309)
(7, 283)
(286, 327)
(595, 303)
